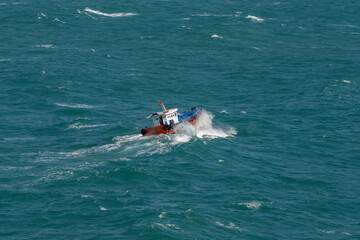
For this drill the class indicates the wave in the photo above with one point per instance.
(58, 20)
(224, 111)
(165, 226)
(109, 14)
(79, 125)
(211, 15)
(251, 205)
(216, 36)
(255, 19)
(45, 46)
(229, 226)
(73, 106)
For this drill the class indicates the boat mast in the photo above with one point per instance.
(160, 103)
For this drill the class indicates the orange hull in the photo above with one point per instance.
(161, 129)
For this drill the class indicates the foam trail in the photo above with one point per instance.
(119, 141)
(109, 14)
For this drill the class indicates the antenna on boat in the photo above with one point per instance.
(160, 103)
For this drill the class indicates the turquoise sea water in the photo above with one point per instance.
(275, 155)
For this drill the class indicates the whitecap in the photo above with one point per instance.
(83, 118)
(19, 139)
(173, 226)
(216, 36)
(10, 168)
(45, 46)
(188, 28)
(230, 225)
(79, 125)
(124, 159)
(58, 20)
(102, 208)
(73, 106)
(146, 37)
(346, 81)
(255, 19)
(57, 175)
(41, 15)
(251, 205)
(109, 14)
(325, 231)
(158, 225)
(165, 226)
(224, 111)
(202, 15)
(162, 215)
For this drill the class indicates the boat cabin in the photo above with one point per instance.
(168, 117)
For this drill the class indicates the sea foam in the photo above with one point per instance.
(109, 14)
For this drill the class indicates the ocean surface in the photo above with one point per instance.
(275, 155)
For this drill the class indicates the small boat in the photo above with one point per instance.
(164, 122)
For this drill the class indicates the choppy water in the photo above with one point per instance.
(275, 155)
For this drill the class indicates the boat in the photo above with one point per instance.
(165, 122)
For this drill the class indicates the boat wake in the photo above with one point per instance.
(135, 145)
(128, 148)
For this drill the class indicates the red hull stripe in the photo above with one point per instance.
(160, 129)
